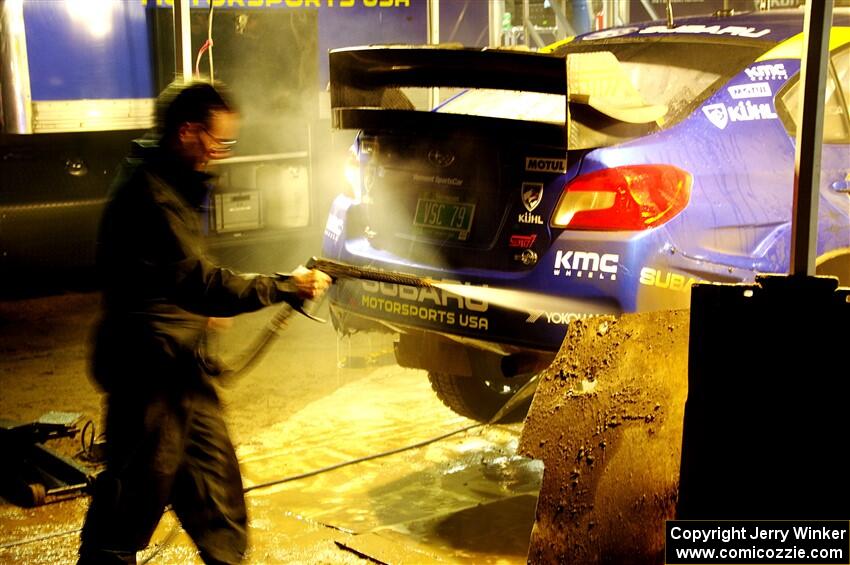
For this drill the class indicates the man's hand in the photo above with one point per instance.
(310, 284)
(219, 324)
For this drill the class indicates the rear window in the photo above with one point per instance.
(672, 75)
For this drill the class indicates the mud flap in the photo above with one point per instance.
(606, 421)
(765, 423)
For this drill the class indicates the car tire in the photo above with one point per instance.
(479, 398)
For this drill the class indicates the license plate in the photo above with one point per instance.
(437, 217)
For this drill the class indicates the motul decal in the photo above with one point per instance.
(545, 165)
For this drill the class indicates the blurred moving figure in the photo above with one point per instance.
(166, 442)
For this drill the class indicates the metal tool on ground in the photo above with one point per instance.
(34, 474)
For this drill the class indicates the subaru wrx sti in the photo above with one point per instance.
(606, 175)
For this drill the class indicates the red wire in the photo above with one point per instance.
(207, 44)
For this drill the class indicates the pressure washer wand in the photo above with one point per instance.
(334, 269)
(338, 270)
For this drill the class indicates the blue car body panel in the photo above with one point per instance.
(736, 224)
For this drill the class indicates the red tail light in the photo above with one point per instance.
(634, 197)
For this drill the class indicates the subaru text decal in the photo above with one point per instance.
(609, 33)
(720, 114)
(586, 264)
(735, 31)
(532, 194)
(666, 280)
(425, 304)
(545, 165)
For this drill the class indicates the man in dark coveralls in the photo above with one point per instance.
(166, 442)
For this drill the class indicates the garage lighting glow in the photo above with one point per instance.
(351, 171)
(95, 16)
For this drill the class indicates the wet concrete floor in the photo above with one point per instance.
(466, 499)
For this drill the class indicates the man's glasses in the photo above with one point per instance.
(222, 145)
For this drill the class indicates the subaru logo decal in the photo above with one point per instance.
(441, 158)
(532, 194)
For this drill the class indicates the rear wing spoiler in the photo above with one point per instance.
(366, 85)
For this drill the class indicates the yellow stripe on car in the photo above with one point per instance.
(552, 46)
(792, 48)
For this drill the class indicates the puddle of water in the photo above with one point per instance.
(495, 533)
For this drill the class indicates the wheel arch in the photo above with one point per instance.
(835, 263)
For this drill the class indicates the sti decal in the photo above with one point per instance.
(522, 241)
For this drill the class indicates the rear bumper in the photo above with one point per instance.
(518, 311)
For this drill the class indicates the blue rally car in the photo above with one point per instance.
(606, 175)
